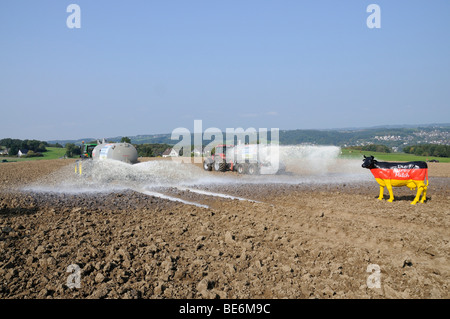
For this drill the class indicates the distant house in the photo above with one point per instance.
(170, 152)
(22, 152)
(4, 151)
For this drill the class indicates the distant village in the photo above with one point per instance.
(397, 142)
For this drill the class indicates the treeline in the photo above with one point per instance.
(35, 146)
(147, 149)
(372, 148)
(428, 150)
(151, 150)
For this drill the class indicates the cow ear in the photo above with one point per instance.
(364, 156)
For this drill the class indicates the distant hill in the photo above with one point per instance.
(437, 125)
(138, 139)
(396, 136)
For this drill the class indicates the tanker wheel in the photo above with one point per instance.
(253, 169)
(207, 166)
(241, 168)
(220, 166)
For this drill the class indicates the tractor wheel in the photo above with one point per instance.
(241, 169)
(207, 166)
(253, 169)
(220, 166)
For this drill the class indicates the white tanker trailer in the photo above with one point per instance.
(123, 152)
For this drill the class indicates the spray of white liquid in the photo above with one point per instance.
(304, 165)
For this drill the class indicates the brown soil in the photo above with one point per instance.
(299, 241)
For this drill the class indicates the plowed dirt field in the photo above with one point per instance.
(247, 239)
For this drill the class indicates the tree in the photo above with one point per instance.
(145, 150)
(41, 148)
(72, 150)
(13, 150)
(125, 139)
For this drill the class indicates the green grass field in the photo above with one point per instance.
(391, 157)
(52, 153)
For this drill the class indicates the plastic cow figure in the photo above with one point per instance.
(410, 174)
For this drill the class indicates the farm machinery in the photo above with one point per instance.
(249, 159)
(99, 151)
(86, 149)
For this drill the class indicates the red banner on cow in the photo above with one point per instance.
(400, 173)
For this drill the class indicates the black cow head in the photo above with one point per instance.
(368, 162)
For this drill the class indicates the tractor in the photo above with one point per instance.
(249, 159)
(86, 149)
(218, 160)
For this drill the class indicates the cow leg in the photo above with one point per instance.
(424, 197)
(419, 191)
(381, 192)
(391, 193)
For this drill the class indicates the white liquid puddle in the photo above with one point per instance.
(171, 198)
(202, 192)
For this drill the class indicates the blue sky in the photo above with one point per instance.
(143, 67)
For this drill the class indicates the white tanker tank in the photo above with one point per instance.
(123, 152)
